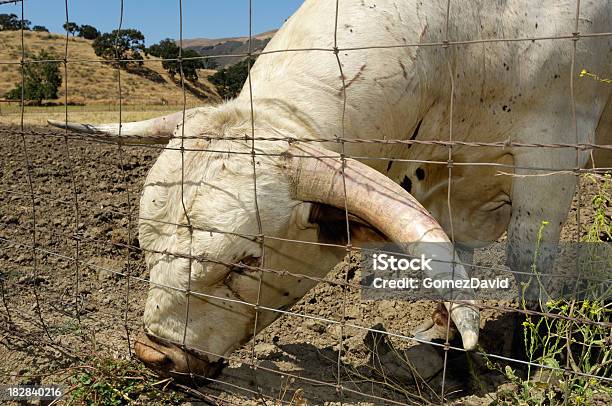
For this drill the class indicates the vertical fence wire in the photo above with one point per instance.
(183, 204)
(260, 232)
(340, 139)
(449, 190)
(70, 172)
(569, 356)
(121, 154)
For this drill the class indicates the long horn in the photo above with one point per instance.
(154, 131)
(317, 176)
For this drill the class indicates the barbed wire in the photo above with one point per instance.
(132, 140)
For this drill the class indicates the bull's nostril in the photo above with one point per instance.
(170, 360)
(166, 362)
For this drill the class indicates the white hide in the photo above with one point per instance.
(515, 91)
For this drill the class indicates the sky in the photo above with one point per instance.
(159, 19)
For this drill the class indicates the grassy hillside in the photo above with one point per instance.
(228, 46)
(96, 82)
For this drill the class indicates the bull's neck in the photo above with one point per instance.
(285, 119)
(360, 107)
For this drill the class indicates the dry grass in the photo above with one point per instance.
(84, 114)
(95, 82)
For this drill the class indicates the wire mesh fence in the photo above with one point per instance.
(81, 262)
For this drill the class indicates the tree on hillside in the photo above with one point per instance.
(71, 27)
(191, 66)
(125, 44)
(229, 81)
(41, 81)
(167, 49)
(40, 28)
(88, 32)
(10, 22)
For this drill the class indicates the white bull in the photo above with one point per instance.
(516, 91)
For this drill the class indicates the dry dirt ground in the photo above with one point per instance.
(106, 182)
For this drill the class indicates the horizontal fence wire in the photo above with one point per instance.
(332, 50)
(292, 140)
(549, 170)
(38, 316)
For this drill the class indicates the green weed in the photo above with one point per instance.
(119, 382)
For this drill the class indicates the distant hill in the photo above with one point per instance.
(96, 82)
(228, 46)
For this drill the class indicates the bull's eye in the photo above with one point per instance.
(420, 174)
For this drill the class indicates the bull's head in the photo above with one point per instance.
(202, 212)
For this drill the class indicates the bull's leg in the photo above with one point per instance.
(539, 208)
(540, 205)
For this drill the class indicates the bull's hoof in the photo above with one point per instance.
(169, 360)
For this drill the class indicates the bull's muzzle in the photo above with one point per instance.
(170, 360)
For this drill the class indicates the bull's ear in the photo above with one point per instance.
(332, 227)
(154, 131)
